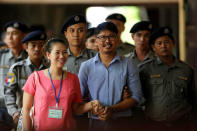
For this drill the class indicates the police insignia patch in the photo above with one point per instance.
(42, 36)
(166, 31)
(10, 78)
(118, 16)
(16, 25)
(76, 18)
(150, 26)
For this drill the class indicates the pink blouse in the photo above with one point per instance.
(44, 98)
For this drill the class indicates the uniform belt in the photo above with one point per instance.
(4, 66)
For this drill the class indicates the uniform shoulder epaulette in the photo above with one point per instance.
(20, 63)
(186, 64)
(128, 55)
(144, 63)
(91, 52)
(4, 50)
(128, 44)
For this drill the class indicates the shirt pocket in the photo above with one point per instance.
(180, 88)
(156, 87)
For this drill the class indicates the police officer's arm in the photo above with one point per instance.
(126, 93)
(123, 105)
(143, 76)
(10, 89)
(27, 104)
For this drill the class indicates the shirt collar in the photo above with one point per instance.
(175, 64)
(158, 60)
(69, 52)
(10, 54)
(97, 58)
(22, 54)
(131, 54)
(29, 63)
(134, 54)
(120, 45)
(84, 53)
(148, 56)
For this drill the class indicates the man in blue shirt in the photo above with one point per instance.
(104, 76)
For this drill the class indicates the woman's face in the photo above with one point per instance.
(58, 55)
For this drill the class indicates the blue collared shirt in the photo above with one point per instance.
(106, 84)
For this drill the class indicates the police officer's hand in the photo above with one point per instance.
(106, 114)
(126, 93)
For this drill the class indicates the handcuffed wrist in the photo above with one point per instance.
(113, 110)
(16, 115)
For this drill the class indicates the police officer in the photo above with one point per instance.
(168, 83)
(119, 20)
(141, 32)
(19, 72)
(74, 30)
(15, 32)
(90, 39)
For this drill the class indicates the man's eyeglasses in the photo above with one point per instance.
(103, 38)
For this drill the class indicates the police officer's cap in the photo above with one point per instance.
(75, 19)
(142, 25)
(35, 35)
(17, 25)
(106, 26)
(163, 31)
(116, 16)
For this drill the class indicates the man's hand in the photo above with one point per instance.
(97, 108)
(106, 114)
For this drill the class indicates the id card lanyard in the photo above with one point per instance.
(56, 98)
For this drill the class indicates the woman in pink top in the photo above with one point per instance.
(55, 94)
